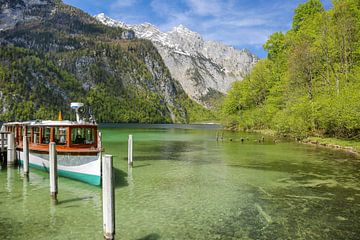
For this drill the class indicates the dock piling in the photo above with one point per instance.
(130, 150)
(100, 147)
(11, 150)
(53, 170)
(2, 148)
(108, 197)
(26, 155)
(2, 142)
(100, 140)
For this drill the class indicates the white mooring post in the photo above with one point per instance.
(11, 150)
(100, 143)
(108, 197)
(26, 155)
(53, 170)
(130, 150)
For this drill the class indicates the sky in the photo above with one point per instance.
(239, 23)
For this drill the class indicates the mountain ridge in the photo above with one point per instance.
(202, 67)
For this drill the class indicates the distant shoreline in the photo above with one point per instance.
(349, 146)
(333, 143)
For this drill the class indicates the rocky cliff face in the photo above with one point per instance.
(13, 12)
(205, 69)
(52, 54)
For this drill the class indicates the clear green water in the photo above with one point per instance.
(185, 185)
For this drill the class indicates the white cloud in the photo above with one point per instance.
(171, 15)
(239, 37)
(226, 21)
(123, 3)
(206, 7)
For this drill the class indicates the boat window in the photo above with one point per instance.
(60, 135)
(10, 129)
(82, 135)
(36, 136)
(28, 131)
(46, 135)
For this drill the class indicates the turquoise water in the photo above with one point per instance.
(186, 185)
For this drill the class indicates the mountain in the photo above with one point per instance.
(52, 54)
(205, 69)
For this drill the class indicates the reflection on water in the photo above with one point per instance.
(186, 185)
(129, 175)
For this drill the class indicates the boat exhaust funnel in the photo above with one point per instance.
(76, 106)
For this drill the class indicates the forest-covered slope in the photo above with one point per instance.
(310, 82)
(52, 54)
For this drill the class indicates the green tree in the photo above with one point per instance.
(305, 11)
(309, 84)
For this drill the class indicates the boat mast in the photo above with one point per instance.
(76, 106)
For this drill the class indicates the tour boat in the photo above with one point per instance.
(78, 146)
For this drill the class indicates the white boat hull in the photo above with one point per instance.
(79, 167)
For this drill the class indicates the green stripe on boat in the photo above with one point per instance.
(88, 178)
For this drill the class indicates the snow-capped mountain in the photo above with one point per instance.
(203, 68)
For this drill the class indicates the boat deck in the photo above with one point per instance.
(61, 149)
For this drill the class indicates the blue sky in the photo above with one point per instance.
(240, 23)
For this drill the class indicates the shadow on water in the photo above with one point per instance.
(73, 200)
(120, 178)
(168, 151)
(142, 165)
(157, 157)
(168, 157)
(2, 161)
(152, 236)
(171, 147)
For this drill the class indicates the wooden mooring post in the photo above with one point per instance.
(2, 149)
(108, 197)
(11, 149)
(26, 156)
(130, 150)
(53, 171)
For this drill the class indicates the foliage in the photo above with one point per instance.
(33, 87)
(305, 11)
(196, 113)
(309, 85)
(69, 56)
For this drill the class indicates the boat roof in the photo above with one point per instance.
(42, 123)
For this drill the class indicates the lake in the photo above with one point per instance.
(186, 185)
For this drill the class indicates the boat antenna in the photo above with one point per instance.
(76, 106)
(92, 117)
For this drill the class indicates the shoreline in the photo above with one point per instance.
(349, 146)
(329, 143)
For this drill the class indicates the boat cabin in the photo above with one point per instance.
(68, 136)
